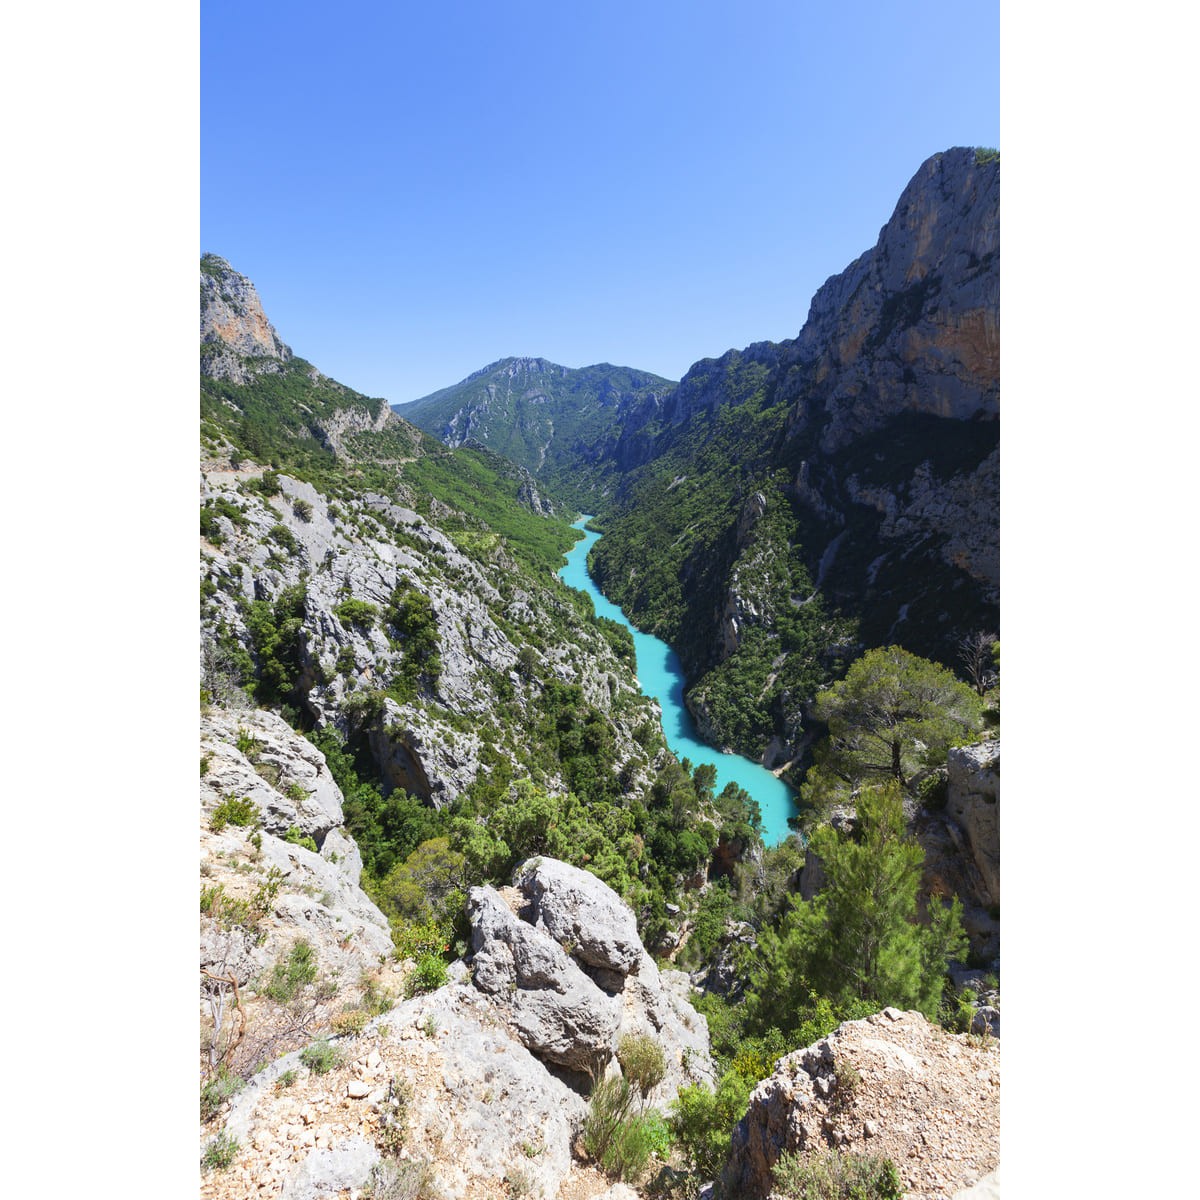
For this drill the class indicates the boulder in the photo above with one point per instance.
(577, 910)
(573, 993)
(559, 1013)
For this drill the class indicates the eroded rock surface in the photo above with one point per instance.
(927, 1099)
(560, 956)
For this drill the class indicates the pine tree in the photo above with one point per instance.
(859, 938)
(893, 714)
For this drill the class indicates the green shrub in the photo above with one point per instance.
(216, 1090)
(350, 1021)
(267, 484)
(702, 1122)
(292, 973)
(620, 1140)
(986, 154)
(407, 1179)
(302, 509)
(219, 1153)
(285, 1080)
(282, 536)
(356, 612)
(205, 763)
(835, 1176)
(427, 976)
(642, 1062)
(298, 838)
(633, 1142)
(321, 1057)
(608, 1107)
(233, 812)
(248, 744)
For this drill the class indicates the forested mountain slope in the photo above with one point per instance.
(545, 417)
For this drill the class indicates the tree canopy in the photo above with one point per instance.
(858, 938)
(892, 715)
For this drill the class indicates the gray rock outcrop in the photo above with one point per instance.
(559, 1014)
(302, 893)
(973, 801)
(369, 549)
(559, 954)
(577, 909)
(891, 1085)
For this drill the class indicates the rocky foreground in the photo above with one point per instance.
(479, 1087)
(891, 1085)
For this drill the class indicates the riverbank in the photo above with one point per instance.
(660, 675)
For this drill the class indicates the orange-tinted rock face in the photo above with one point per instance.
(232, 323)
(913, 325)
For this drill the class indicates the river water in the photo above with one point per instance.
(661, 677)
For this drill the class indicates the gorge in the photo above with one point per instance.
(661, 678)
(482, 911)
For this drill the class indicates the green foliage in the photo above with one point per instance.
(231, 811)
(285, 1080)
(614, 1135)
(302, 510)
(275, 633)
(219, 506)
(281, 535)
(385, 830)
(320, 1057)
(985, 155)
(702, 1122)
(410, 613)
(834, 1175)
(267, 484)
(217, 1089)
(427, 976)
(428, 886)
(248, 744)
(892, 715)
(663, 551)
(219, 1153)
(291, 973)
(858, 938)
(483, 488)
(298, 838)
(642, 1063)
(356, 612)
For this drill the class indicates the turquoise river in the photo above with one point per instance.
(661, 677)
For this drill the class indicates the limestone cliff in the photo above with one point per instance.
(876, 428)
(913, 325)
(233, 326)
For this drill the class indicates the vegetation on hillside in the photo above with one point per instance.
(556, 775)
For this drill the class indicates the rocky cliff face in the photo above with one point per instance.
(465, 1085)
(926, 1099)
(233, 326)
(877, 426)
(913, 325)
(369, 548)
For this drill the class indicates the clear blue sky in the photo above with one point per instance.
(418, 190)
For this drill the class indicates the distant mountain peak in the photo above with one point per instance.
(233, 322)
